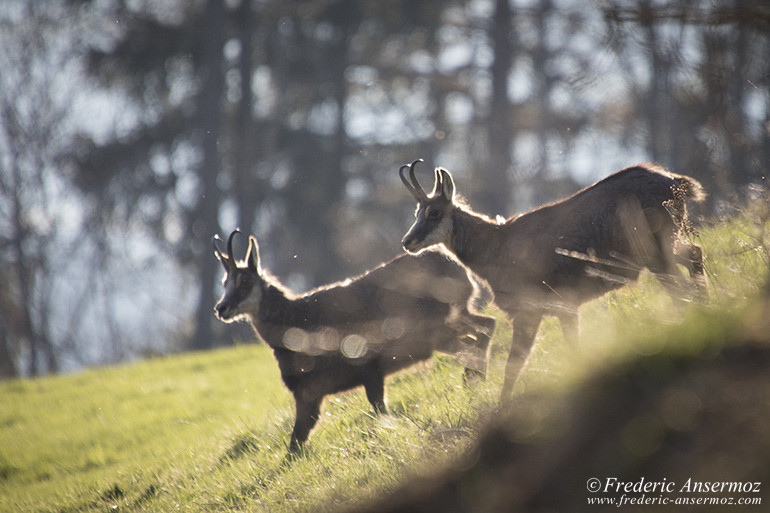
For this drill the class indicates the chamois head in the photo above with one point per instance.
(243, 282)
(433, 218)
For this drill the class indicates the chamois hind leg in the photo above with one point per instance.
(691, 256)
(570, 325)
(525, 326)
(661, 261)
(308, 412)
(374, 385)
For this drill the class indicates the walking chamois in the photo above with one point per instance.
(358, 331)
(555, 258)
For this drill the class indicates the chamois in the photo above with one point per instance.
(355, 332)
(555, 258)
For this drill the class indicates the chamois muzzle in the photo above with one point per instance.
(411, 242)
(223, 311)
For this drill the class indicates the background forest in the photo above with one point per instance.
(131, 131)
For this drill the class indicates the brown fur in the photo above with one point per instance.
(555, 258)
(356, 332)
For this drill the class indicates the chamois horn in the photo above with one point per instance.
(230, 244)
(414, 186)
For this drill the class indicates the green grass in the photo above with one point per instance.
(208, 431)
(118, 433)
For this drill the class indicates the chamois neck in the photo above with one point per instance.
(473, 236)
(279, 307)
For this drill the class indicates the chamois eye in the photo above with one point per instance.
(244, 281)
(434, 214)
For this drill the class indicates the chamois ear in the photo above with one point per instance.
(447, 184)
(252, 255)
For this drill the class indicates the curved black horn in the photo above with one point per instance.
(226, 262)
(414, 179)
(215, 242)
(412, 184)
(406, 183)
(230, 244)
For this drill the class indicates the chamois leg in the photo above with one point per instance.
(671, 279)
(471, 376)
(651, 234)
(308, 413)
(570, 325)
(668, 274)
(525, 326)
(483, 329)
(486, 325)
(374, 385)
(661, 261)
(691, 256)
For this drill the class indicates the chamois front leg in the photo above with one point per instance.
(525, 326)
(308, 412)
(484, 328)
(374, 385)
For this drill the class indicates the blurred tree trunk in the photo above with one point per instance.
(544, 82)
(325, 165)
(736, 123)
(654, 112)
(715, 84)
(7, 364)
(317, 150)
(246, 153)
(495, 172)
(31, 122)
(25, 332)
(206, 222)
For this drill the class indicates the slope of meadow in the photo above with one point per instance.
(208, 431)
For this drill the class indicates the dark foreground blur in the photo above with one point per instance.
(660, 432)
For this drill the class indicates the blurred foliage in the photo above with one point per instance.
(176, 120)
(695, 417)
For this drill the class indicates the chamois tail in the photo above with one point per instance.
(690, 188)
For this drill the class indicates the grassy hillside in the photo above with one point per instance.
(208, 431)
(120, 432)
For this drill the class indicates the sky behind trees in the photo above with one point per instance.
(133, 131)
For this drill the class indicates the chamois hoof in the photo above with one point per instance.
(296, 451)
(473, 376)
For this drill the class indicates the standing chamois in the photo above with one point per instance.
(355, 332)
(556, 257)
